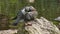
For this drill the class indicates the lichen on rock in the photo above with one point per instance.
(42, 26)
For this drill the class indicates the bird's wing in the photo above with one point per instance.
(19, 17)
(19, 14)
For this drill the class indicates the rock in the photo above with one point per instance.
(30, 1)
(8, 31)
(42, 26)
(57, 19)
(4, 22)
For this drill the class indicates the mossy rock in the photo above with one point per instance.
(4, 22)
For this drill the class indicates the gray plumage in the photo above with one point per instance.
(26, 14)
(31, 15)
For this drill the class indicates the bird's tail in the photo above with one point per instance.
(16, 22)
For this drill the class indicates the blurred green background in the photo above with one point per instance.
(46, 8)
(50, 9)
